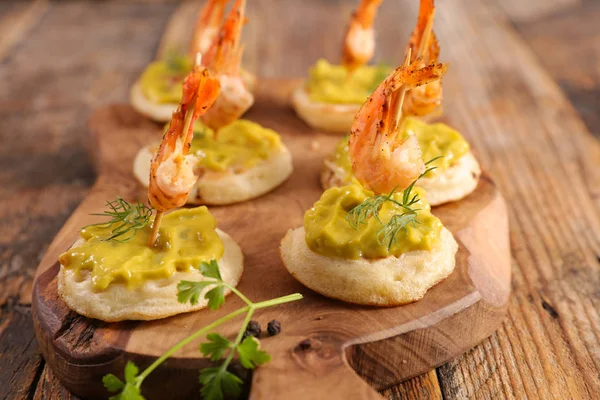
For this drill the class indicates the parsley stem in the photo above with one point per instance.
(238, 339)
(238, 293)
(187, 340)
(279, 300)
(249, 309)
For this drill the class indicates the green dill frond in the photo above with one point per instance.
(371, 206)
(387, 234)
(125, 219)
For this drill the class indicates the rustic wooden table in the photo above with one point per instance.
(532, 69)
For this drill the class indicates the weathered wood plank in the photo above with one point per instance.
(525, 11)
(547, 162)
(65, 67)
(22, 362)
(49, 387)
(547, 166)
(17, 21)
(567, 44)
(425, 386)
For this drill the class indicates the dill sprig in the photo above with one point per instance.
(126, 219)
(371, 206)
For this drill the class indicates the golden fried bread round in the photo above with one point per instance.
(221, 188)
(155, 299)
(389, 281)
(333, 118)
(162, 112)
(455, 183)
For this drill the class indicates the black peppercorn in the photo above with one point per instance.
(252, 329)
(274, 327)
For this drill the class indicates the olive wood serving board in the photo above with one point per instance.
(345, 342)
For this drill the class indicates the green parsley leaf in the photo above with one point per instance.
(129, 389)
(191, 291)
(112, 383)
(216, 346)
(216, 297)
(250, 354)
(216, 383)
(211, 270)
(131, 372)
(130, 392)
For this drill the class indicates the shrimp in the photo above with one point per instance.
(382, 161)
(172, 168)
(207, 26)
(224, 59)
(423, 45)
(359, 42)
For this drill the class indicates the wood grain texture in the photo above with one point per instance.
(17, 21)
(98, 48)
(453, 316)
(567, 44)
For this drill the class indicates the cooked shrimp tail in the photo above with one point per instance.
(172, 168)
(224, 60)
(423, 42)
(359, 41)
(423, 45)
(225, 53)
(207, 26)
(381, 159)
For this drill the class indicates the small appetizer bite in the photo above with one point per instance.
(128, 268)
(157, 92)
(457, 171)
(332, 94)
(375, 241)
(238, 159)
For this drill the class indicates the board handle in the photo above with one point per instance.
(309, 368)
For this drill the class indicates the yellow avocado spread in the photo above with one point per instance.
(328, 83)
(329, 233)
(435, 140)
(237, 146)
(162, 81)
(187, 237)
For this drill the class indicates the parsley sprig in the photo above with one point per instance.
(217, 382)
(371, 206)
(125, 219)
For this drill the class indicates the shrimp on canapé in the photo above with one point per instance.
(423, 45)
(381, 160)
(172, 168)
(207, 26)
(223, 59)
(359, 41)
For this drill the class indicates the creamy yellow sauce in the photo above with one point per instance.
(329, 233)
(162, 81)
(187, 237)
(328, 83)
(435, 140)
(237, 146)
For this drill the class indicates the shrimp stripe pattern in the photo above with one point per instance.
(359, 40)
(224, 58)
(172, 168)
(423, 45)
(382, 161)
(423, 31)
(207, 26)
